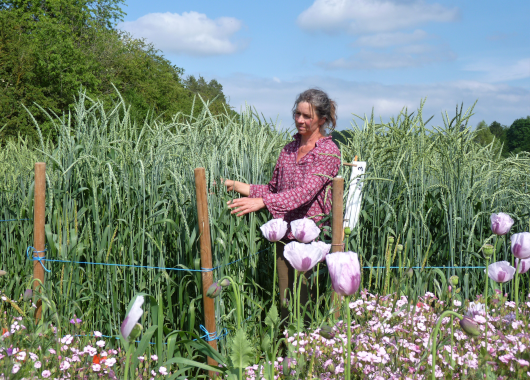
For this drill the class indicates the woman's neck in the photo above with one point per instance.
(311, 139)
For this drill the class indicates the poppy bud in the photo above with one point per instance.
(224, 282)
(135, 332)
(449, 288)
(214, 290)
(409, 273)
(469, 326)
(488, 250)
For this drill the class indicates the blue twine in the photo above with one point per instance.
(232, 262)
(38, 258)
(426, 267)
(13, 220)
(139, 266)
(210, 336)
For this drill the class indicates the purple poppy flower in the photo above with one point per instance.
(525, 265)
(501, 271)
(501, 223)
(325, 248)
(345, 272)
(274, 230)
(302, 257)
(304, 230)
(521, 245)
(133, 317)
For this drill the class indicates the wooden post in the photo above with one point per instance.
(337, 230)
(39, 207)
(206, 256)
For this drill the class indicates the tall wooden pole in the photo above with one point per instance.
(337, 231)
(38, 229)
(206, 256)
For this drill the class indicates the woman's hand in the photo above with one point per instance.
(242, 206)
(240, 187)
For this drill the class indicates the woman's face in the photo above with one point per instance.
(305, 119)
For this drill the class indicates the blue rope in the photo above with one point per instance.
(38, 258)
(210, 336)
(135, 266)
(426, 267)
(232, 262)
(13, 220)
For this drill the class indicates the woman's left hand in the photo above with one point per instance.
(242, 206)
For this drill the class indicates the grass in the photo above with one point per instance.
(121, 191)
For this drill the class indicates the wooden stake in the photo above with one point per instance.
(337, 230)
(206, 256)
(39, 207)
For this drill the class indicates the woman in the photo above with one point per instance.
(301, 181)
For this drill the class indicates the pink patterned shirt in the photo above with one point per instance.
(301, 189)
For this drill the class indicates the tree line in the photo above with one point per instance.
(52, 49)
(512, 139)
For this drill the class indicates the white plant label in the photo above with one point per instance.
(353, 204)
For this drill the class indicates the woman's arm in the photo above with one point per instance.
(324, 169)
(239, 187)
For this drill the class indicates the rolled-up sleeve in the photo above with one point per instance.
(320, 174)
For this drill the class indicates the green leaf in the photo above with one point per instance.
(273, 318)
(241, 351)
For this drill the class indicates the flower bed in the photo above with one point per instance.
(395, 344)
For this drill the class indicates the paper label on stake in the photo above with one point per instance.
(353, 204)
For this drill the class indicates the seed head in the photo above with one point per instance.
(488, 250)
(453, 280)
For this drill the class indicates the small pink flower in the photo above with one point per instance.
(100, 343)
(154, 357)
(46, 374)
(97, 334)
(15, 368)
(163, 371)
(64, 366)
(96, 367)
(37, 365)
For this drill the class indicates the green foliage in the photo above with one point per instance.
(51, 49)
(519, 135)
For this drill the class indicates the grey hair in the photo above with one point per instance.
(323, 106)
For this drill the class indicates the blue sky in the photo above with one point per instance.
(380, 54)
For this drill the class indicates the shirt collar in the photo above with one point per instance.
(298, 137)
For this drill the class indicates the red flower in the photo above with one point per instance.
(97, 359)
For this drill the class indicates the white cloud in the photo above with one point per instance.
(414, 55)
(382, 40)
(501, 72)
(499, 102)
(191, 33)
(372, 16)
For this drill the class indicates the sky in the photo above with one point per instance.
(380, 56)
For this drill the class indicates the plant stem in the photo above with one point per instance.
(347, 364)
(274, 275)
(486, 289)
(434, 337)
(300, 275)
(517, 290)
(129, 353)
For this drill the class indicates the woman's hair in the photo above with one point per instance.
(323, 106)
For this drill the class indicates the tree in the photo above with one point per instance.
(499, 131)
(51, 49)
(518, 135)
